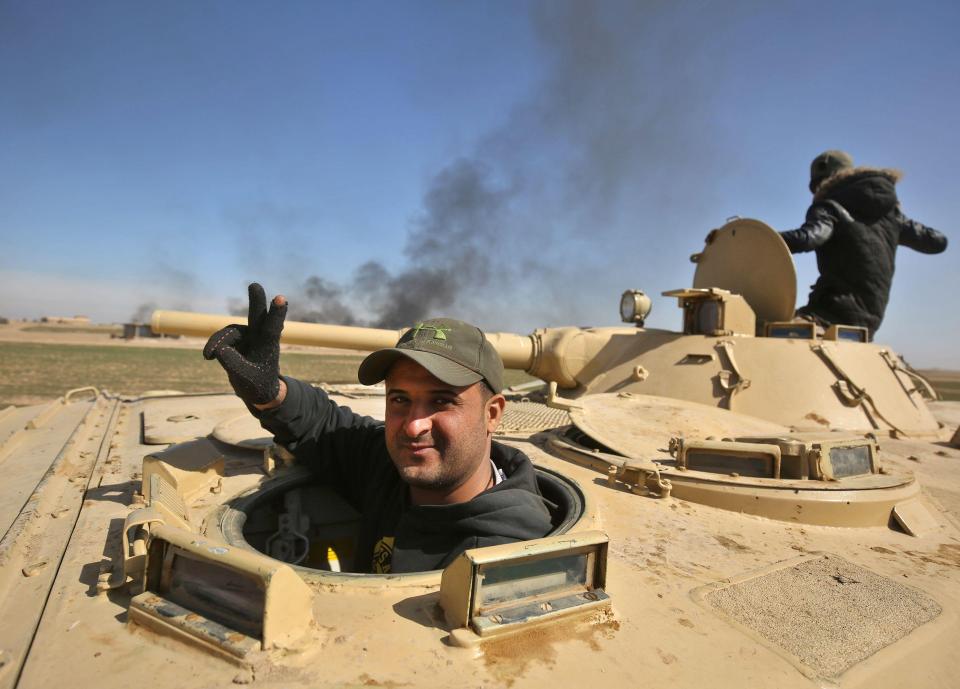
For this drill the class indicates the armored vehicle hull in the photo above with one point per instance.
(714, 525)
(698, 594)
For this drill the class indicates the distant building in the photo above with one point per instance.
(134, 330)
(66, 320)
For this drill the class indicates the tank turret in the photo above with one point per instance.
(737, 348)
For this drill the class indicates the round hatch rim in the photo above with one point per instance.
(629, 423)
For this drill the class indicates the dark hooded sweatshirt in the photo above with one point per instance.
(349, 452)
(855, 225)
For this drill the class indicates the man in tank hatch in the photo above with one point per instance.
(855, 225)
(429, 481)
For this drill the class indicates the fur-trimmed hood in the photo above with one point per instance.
(866, 193)
(852, 173)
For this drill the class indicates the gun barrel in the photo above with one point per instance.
(517, 351)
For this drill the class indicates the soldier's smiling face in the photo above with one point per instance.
(438, 435)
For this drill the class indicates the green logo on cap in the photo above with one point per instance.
(438, 333)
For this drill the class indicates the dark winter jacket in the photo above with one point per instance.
(349, 452)
(855, 226)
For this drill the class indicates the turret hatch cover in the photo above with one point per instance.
(748, 257)
(641, 425)
(243, 431)
(179, 419)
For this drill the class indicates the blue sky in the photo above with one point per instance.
(543, 156)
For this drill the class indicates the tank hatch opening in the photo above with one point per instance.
(296, 520)
(308, 526)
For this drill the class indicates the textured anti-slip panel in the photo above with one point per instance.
(829, 613)
(531, 416)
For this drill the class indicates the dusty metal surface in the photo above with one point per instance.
(662, 550)
(776, 564)
(32, 550)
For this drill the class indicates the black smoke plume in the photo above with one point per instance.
(143, 312)
(551, 205)
(444, 252)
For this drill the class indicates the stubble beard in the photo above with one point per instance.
(453, 467)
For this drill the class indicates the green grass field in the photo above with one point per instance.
(33, 373)
(57, 328)
(947, 383)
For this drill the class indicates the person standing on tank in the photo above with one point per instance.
(855, 225)
(430, 481)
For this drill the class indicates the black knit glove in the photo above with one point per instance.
(250, 354)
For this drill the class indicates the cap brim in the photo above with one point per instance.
(374, 368)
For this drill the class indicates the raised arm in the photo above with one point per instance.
(816, 229)
(333, 441)
(919, 237)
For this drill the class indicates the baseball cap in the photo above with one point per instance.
(453, 351)
(826, 164)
